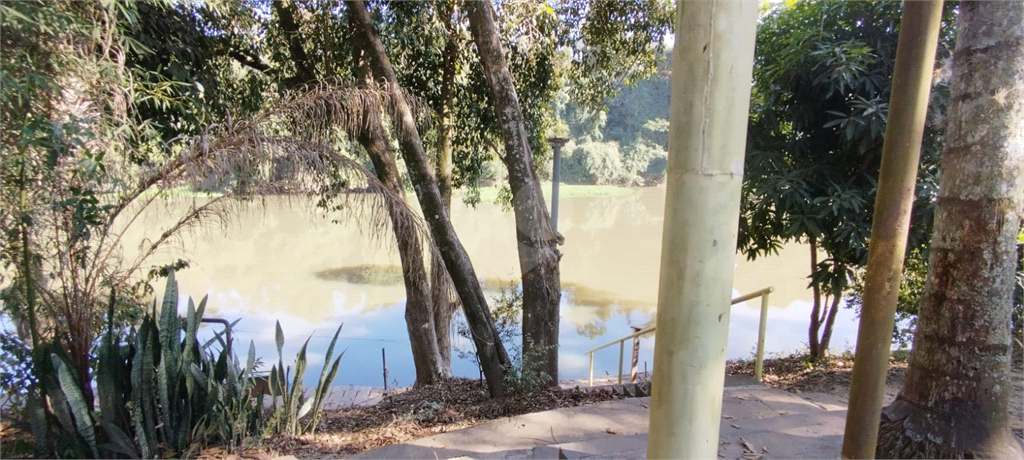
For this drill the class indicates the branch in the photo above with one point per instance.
(249, 60)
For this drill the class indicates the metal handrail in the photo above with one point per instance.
(759, 360)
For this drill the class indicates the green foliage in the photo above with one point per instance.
(595, 162)
(285, 418)
(521, 375)
(160, 394)
(822, 79)
(915, 274)
(507, 311)
(613, 44)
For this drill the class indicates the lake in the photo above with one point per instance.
(263, 266)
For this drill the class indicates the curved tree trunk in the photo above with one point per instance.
(954, 402)
(538, 241)
(490, 351)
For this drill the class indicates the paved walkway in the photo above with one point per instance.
(757, 423)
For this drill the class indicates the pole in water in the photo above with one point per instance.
(384, 360)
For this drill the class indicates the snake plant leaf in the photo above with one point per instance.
(320, 387)
(197, 374)
(120, 442)
(306, 407)
(111, 372)
(250, 363)
(76, 400)
(279, 340)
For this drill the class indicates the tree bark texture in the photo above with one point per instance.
(490, 351)
(954, 401)
(538, 241)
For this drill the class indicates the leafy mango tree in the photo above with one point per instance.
(822, 77)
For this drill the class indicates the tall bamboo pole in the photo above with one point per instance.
(908, 105)
(710, 102)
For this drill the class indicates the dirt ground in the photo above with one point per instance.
(460, 403)
(795, 374)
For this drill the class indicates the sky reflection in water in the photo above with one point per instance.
(264, 266)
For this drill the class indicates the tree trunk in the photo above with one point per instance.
(812, 332)
(490, 351)
(823, 313)
(419, 318)
(954, 401)
(897, 177)
(304, 70)
(444, 307)
(538, 242)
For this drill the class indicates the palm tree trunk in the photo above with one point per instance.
(954, 402)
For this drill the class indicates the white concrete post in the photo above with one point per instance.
(711, 79)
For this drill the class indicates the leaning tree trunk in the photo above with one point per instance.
(490, 351)
(419, 315)
(538, 241)
(954, 402)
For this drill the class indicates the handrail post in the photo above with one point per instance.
(759, 360)
(622, 352)
(636, 355)
(591, 368)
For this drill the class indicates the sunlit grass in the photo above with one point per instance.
(489, 194)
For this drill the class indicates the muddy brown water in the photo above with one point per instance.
(280, 259)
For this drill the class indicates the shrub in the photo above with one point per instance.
(507, 311)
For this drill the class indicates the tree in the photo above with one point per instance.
(538, 241)
(821, 85)
(490, 351)
(954, 401)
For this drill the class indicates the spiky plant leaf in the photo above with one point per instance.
(279, 340)
(76, 401)
(111, 373)
(306, 407)
(120, 442)
(250, 363)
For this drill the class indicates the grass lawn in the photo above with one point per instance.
(489, 194)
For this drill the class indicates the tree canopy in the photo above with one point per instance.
(822, 76)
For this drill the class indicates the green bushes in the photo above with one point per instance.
(507, 309)
(595, 162)
(161, 393)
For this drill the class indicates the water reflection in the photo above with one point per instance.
(284, 262)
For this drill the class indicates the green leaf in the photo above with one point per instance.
(76, 400)
(306, 407)
(279, 339)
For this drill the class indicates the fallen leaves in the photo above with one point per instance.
(420, 412)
